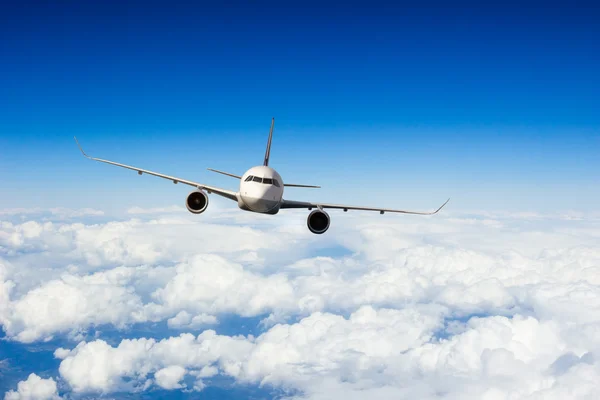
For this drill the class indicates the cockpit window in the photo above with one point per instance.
(268, 181)
(276, 183)
(257, 179)
(248, 179)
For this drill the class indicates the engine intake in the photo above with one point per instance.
(197, 202)
(318, 221)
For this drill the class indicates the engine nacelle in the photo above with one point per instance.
(197, 202)
(318, 221)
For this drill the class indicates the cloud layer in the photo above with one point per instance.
(491, 306)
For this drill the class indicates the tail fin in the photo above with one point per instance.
(268, 152)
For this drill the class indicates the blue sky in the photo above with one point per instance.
(382, 105)
(493, 106)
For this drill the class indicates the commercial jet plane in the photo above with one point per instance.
(261, 191)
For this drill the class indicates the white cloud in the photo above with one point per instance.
(324, 344)
(205, 285)
(212, 284)
(72, 303)
(364, 322)
(6, 287)
(156, 210)
(208, 371)
(385, 353)
(60, 212)
(169, 377)
(96, 366)
(183, 320)
(34, 388)
(318, 344)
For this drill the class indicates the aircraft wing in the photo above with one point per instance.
(210, 189)
(303, 204)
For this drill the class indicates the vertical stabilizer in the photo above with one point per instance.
(268, 152)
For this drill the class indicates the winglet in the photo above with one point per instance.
(80, 148)
(442, 206)
(268, 152)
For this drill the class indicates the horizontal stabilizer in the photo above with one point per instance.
(224, 173)
(301, 186)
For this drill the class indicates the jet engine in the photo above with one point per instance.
(318, 221)
(196, 202)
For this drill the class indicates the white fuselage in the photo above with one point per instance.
(261, 190)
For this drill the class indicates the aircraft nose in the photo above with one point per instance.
(265, 192)
(264, 189)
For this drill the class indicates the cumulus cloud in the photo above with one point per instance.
(212, 284)
(98, 366)
(318, 344)
(183, 320)
(385, 353)
(34, 388)
(457, 306)
(72, 303)
(169, 377)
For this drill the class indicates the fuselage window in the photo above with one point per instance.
(257, 179)
(276, 183)
(248, 179)
(268, 181)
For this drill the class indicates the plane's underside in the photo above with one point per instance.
(261, 191)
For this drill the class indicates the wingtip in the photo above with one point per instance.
(442, 206)
(80, 148)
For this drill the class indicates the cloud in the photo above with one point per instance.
(63, 213)
(212, 284)
(96, 366)
(462, 306)
(318, 344)
(34, 388)
(169, 377)
(72, 303)
(385, 353)
(205, 285)
(155, 211)
(183, 320)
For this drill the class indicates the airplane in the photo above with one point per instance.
(261, 191)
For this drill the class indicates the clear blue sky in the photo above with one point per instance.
(497, 107)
